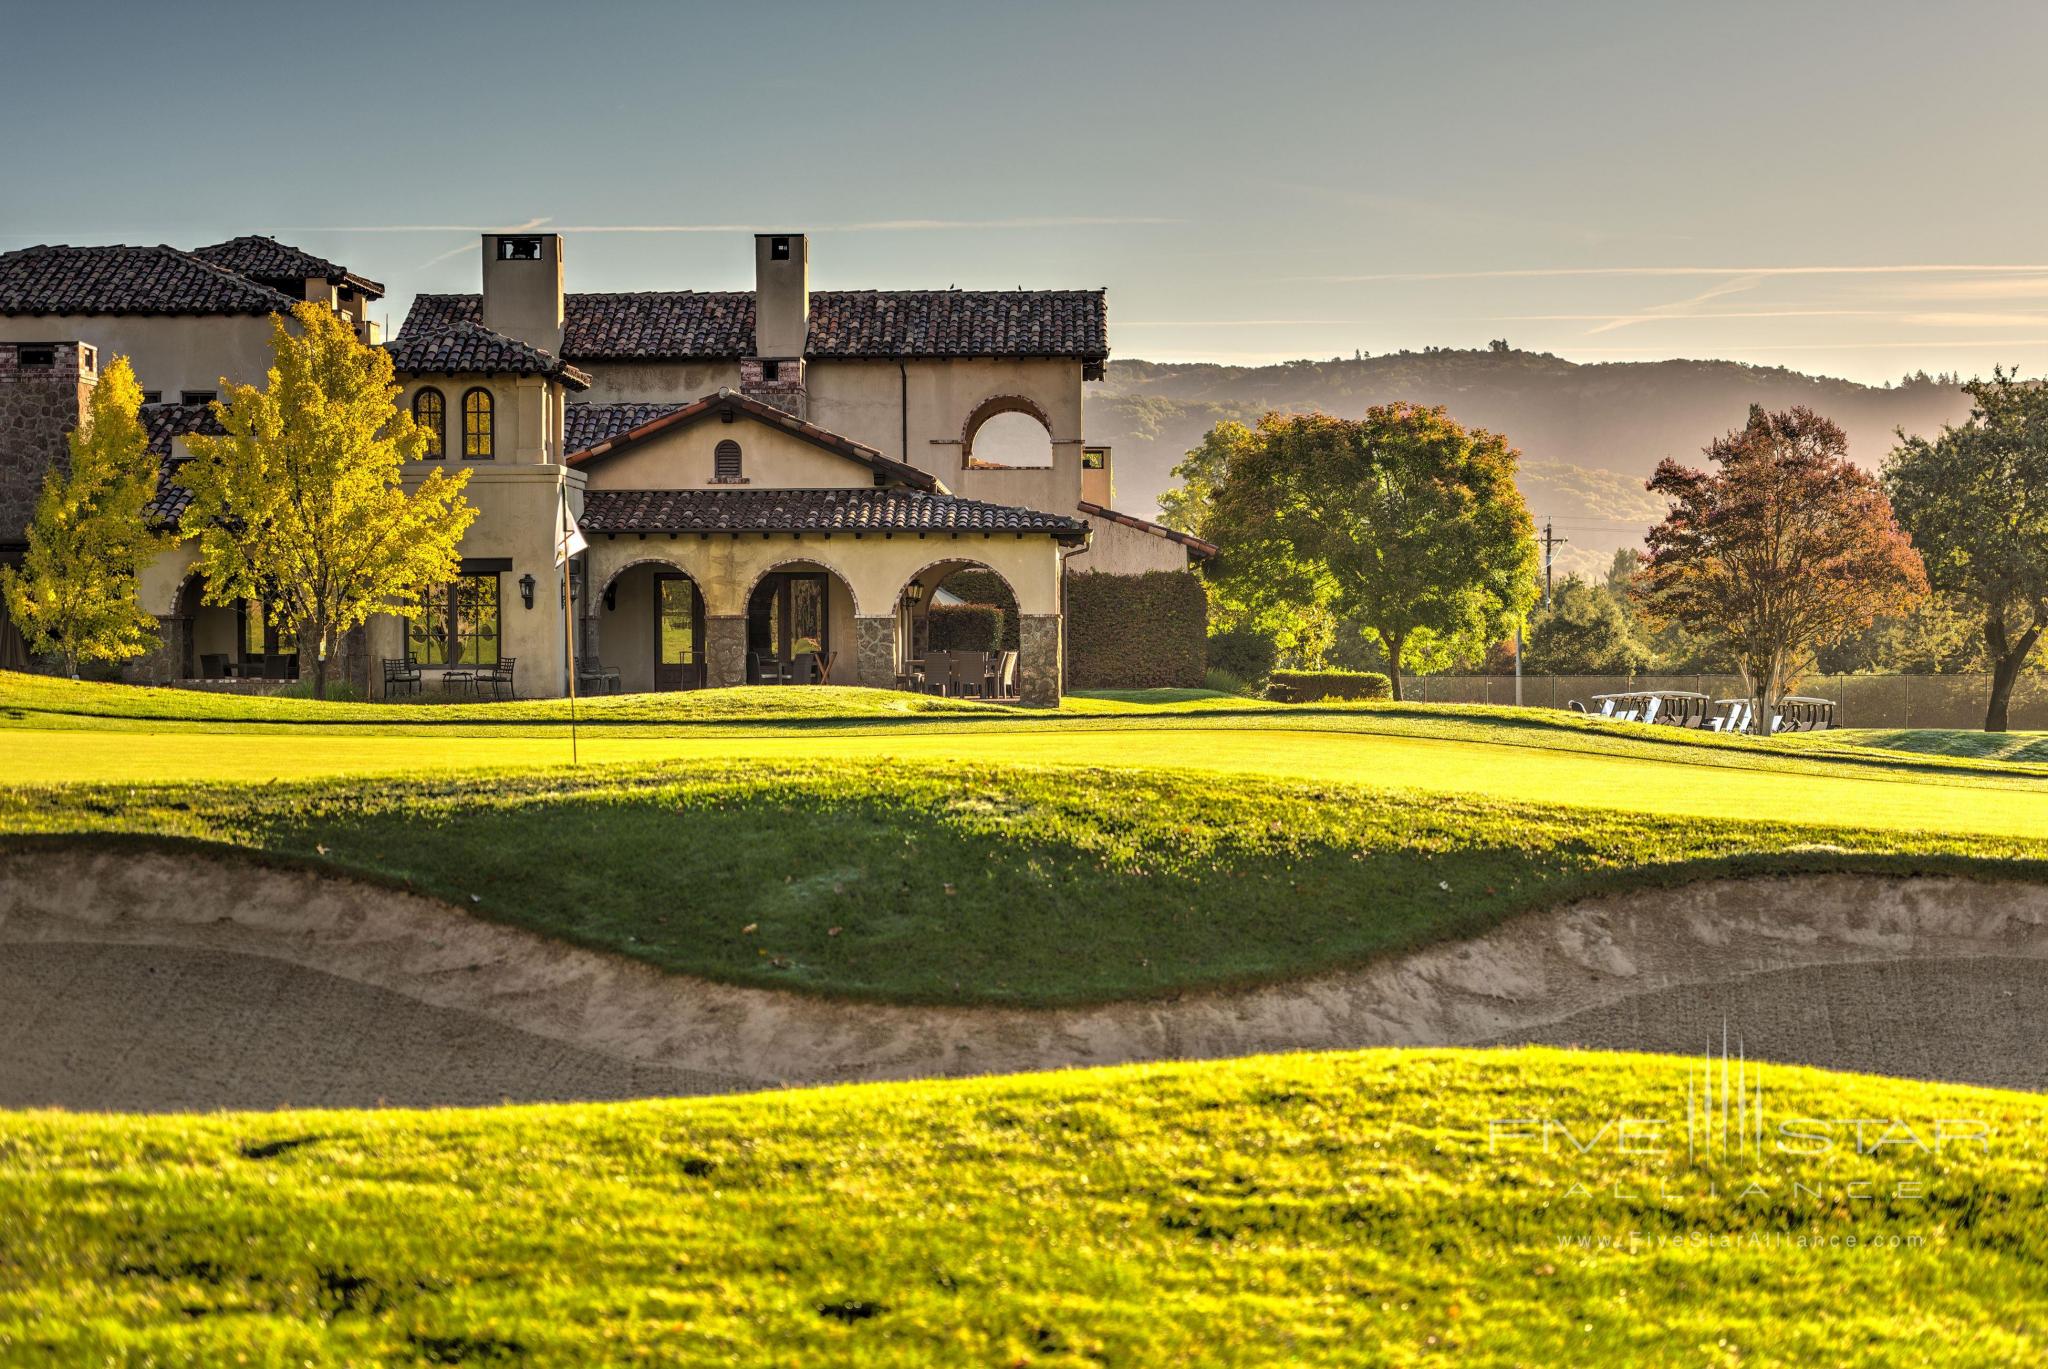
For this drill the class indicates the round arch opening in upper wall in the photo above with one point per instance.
(1007, 432)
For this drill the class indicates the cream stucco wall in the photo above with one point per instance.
(527, 412)
(170, 353)
(1117, 550)
(770, 458)
(653, 382)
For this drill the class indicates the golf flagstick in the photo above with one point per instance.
(568, 542)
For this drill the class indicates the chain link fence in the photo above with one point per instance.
(1861, 700)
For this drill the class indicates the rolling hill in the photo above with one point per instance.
(1589, 433)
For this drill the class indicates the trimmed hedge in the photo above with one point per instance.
(964, 627)
(1305, 686)
(1147, 631)
(986, 587)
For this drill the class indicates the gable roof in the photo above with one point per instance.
(691, 325)
(812, 511)
(471, 348)
(268, 260)
(1202, 550)
(731, 403)
(128, 280)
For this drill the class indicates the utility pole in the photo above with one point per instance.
(1551, 542)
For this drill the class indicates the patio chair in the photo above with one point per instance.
(1005, 676)
(938, 672)
(497, 679)
(1650, 709)
(802, 669)
(1607, 708)
(401, 676)
(213, 665)
(1576, 706)
(970, 674)
(769, 669)
(911, 676)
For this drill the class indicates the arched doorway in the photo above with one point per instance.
(957, 629)
(800, 626)
(648, 626)
(229, 641)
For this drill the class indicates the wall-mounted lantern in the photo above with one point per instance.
(914, 591)
(526, 583)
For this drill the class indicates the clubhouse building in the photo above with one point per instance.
(772, 484)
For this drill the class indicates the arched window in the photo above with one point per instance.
(430, 415)
(476, 425)
(725, 463)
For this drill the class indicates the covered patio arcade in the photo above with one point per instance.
(708, 588)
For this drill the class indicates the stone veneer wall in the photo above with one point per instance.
(875, 653)
(39, 406)
(786, 392)
(1038, 659)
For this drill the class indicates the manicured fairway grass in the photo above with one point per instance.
(1336, 1209)
(958, 882)
(1522, 756)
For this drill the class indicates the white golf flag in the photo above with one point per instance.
(568, 537)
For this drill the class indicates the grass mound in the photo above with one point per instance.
(957, 882)
(1338, 1209)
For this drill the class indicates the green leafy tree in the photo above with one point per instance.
(1584, 631)
(300, 507)
(1976, 502)
(1785, 547)
(75, 594)
(1402, 523)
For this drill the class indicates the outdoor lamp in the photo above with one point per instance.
(526, 590)
(914, 591)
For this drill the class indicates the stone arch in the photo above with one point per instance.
(996, 407)
(779, 636)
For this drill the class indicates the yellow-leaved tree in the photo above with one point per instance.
(301, 508)
(75, 594)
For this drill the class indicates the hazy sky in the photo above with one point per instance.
(1854, 189)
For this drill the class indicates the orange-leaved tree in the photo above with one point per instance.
(1784, 546)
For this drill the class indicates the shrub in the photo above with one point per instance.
(986, 587)
(1223, 682)
(1244, 652)
(1305, 686)
(1145, 631)
(964, 627)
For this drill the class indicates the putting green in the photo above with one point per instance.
(1681, 785)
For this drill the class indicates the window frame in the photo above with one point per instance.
(488, 429)
(437, 640)
(437, 431)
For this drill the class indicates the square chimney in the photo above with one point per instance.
(782, 295)
(523, 287)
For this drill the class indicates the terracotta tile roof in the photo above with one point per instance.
(586, 425)
(1202, 550)
(270, 261)
(729, 402)
(164, 422)
(688, 325)
(460, 348)
(838, 511)
(127, 280)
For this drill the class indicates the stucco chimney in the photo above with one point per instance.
(782, 295)
(523, 287)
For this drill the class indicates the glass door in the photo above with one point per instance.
(678, 633)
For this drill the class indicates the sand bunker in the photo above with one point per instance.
(149, 981)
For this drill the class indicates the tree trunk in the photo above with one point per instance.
(2007, 660)
(1392, 646)
(319, 662)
